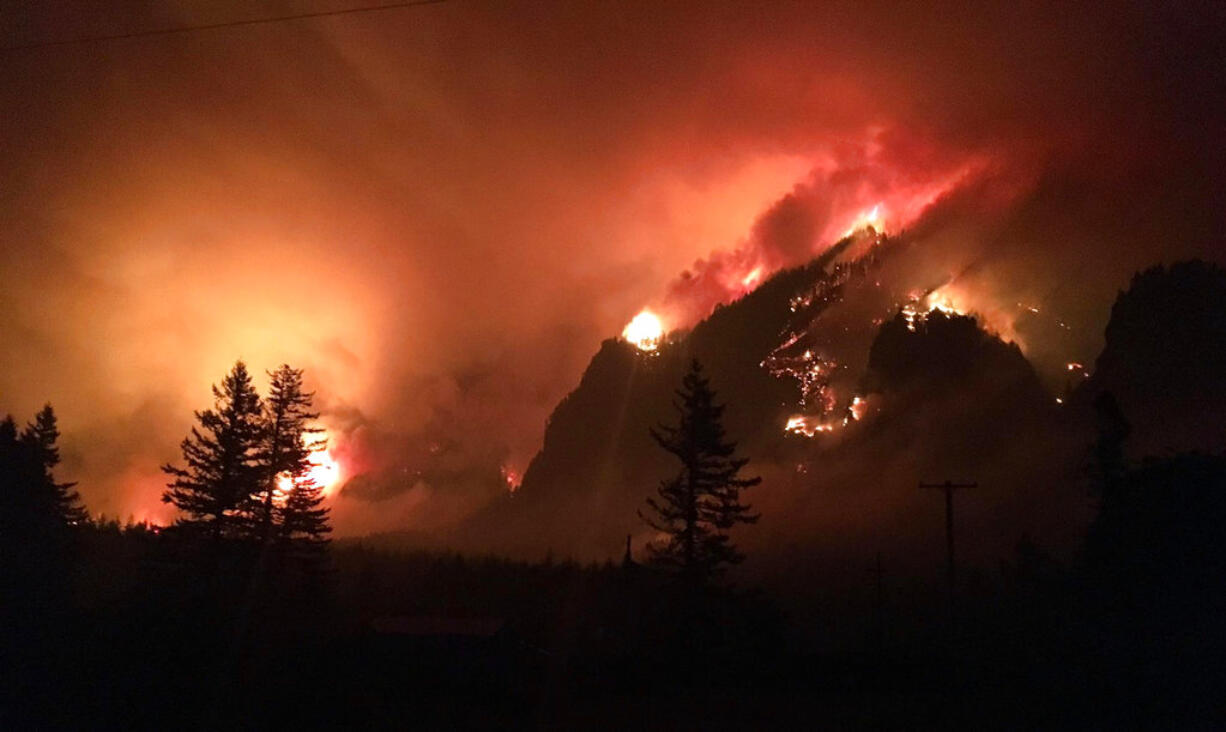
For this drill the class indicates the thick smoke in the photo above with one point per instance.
(868, 183)
(439, 213)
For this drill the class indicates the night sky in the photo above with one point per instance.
(440, 212)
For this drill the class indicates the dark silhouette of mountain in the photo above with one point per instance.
(597, 464)
(1164, 359)
(945, 365)
(940, 352)
(598, 461)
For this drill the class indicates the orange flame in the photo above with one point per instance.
(645, 331)
(324, 471)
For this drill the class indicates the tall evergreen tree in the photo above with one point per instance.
(697, 507)
(42, 436)
(36, 514)
(24, 502)
(222, 469)
(286, 444)
(304, 519)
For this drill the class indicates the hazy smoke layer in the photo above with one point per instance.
(440, 212)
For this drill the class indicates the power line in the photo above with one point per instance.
(216, 26)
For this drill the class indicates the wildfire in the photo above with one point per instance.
(873, 218)
(751, 279)
(324, 471)
(645, 331)
(511, 477)
(799, 424)
(920, 305)
(942, 301)
(910, 312)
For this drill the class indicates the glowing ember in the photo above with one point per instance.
(511, 477)
(910, 312)
(800, 424)
(645, 331)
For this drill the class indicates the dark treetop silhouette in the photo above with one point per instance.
(698, 506)
(230, 485)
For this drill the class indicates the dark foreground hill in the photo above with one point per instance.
(1164, 359)
(875, 399)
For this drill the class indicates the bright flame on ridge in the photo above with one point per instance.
(324, 471)
(870, 218)
(645, 331)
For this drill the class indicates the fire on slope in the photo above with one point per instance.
(876, 275)
(814, 343)
(645, 331)
(920, 305)
(324, 471)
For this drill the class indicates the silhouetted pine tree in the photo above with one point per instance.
(301, 519)
(22, 498)
(285, 446)
(698, 506)
(35, 517)
(222, 471)
(304, 520)
(42, 435)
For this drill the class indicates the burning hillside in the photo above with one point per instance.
(860, 334)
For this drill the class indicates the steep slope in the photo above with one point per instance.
(800, 344)
(1164, 359)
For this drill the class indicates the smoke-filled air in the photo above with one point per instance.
(462, 273)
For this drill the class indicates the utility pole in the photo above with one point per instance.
(949, 487)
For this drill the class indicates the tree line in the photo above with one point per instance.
(245, 474)
(243, 485)
(244, 477)
(37, 514)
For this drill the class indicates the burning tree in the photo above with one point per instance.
(697, 507)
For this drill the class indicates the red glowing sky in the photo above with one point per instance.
(439, 213)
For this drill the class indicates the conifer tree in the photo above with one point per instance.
(35, 516)
(697, 507)
(286, 444)
(41, 436)
(221, 459)
(304, 520)
(27, 506)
